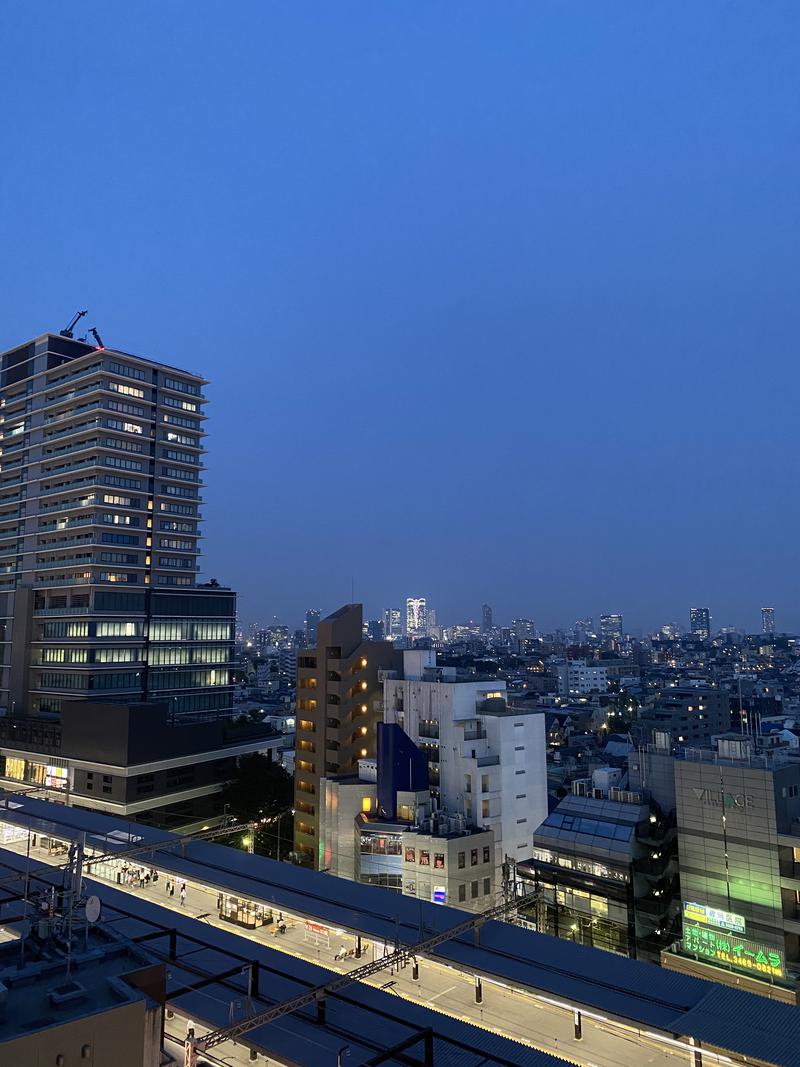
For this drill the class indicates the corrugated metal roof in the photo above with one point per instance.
(363, 1017)
(740, 1022)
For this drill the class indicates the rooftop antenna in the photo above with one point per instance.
(97, 337)
(67, 331)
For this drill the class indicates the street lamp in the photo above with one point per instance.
(343, 1051)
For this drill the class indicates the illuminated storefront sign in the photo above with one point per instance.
(725, 920)
(21, 770)
(735, 951)
(439, 894)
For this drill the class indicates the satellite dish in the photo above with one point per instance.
(93, 908)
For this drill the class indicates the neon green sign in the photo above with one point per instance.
(738, 952)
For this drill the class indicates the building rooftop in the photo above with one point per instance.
(593, 824)
(42, 994)
(107, 348)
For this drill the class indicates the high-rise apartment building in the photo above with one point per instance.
(100, 479)
(338, 706)
(392, 624)
(312, 618)
(611, 628)
(768, 620)
(416, 616)
(700, 623)
(486, 618)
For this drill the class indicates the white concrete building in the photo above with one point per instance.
(487, 761)
(579, 678)
(342, 799)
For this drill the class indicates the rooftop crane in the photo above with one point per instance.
(97, 337)
(67, 331)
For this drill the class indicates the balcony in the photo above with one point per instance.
(78, 520)
(71, 505)
(488, 761)
(429, 729)
(87, 427)
(73, 394)
(475, 735)
(42, 583)
(68, 542)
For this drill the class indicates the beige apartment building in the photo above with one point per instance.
(339, 702)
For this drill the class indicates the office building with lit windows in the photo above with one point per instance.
(100, 478)
(603, 870)
(700, 623)
(768, 620)
(392, 624)
(611, 629)
(416, 616)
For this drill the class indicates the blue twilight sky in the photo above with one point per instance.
(499, 300)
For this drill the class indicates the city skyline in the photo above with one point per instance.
(542, 279)
(753, 624)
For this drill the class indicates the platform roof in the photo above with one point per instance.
(640, 994)
(367, 1020)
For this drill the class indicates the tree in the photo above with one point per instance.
(262, 792)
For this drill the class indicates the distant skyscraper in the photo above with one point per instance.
(374, 630)
(611, 627)
(486, 618)
(392, 624)
(416, 616)
(700, 622)
(523, 628)
(768, 620)
(312, 618)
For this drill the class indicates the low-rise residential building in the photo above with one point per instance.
(578, 678)
(691, 715)
(486, 760)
